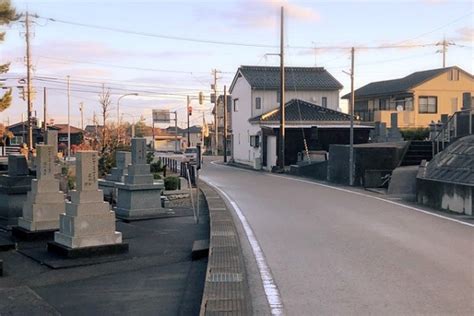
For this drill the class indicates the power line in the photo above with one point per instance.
(229, 43)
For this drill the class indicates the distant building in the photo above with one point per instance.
(77, 134)
(419, 98)
(255, 93)
(220, 124)
(20, 132)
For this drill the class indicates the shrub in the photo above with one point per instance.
(171, 183)
(149, 157)
(156, 176)
(156, 167)
(420, 133)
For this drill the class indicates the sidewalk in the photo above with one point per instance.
(157, 276)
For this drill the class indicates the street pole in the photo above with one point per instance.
(81, 108)
(351, 113)
(187, 108)
(176, 148)
(28, 79)
(225, 124)
(44, 111)
(118, 114)
(153, 132)
(68, 117)
(216, 135)
(281, 160)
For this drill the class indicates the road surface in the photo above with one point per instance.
(333, 252)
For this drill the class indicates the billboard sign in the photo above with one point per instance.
(161, 116)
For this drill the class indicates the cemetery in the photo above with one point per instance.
(78, 233)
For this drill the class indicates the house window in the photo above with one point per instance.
(258, 103)
(236, 105)
(254, 141)
(383, 104)
(428, 105)
(16, 140)
(453, 75)
(324, 102)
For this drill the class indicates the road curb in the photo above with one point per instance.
(226, 287)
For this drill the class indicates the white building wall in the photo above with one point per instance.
(270, 102)
(241, 128)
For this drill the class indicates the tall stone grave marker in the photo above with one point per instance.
(123, 159)
(13, 189)
(139, 197)
(394, 133)
(88, 226)
(52, 139)
(44, 202)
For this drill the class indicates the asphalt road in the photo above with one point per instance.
(337, 253)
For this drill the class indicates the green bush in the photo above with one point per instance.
(171, 183)
(71, 182)
(420, 133)
(64, 170)
(156, 176)
(149, 157)
(156, 167)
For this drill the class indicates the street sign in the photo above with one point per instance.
(161, 116)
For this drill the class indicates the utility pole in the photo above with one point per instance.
(81, 108)
(68, 117)
(45, 117)
(216, 127)
(188, 101)
(28, 82)
(225, 124)
(351, 113)
(176, 148)
(281, 156)
(444, 49)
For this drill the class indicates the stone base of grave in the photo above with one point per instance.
(82, 252)
(139, 201)
(21, 233)
(109, 189)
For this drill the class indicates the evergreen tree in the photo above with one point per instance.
(7, 15)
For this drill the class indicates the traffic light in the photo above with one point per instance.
(190, 110)
(201, 98)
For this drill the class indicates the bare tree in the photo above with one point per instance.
(105, 103)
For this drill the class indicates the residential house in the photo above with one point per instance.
(255, 92)
(77, 134)
(220, 124)
(20, 132)
(308, 128)
(419, 98)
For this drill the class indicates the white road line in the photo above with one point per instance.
(365, 195)
(269, 286)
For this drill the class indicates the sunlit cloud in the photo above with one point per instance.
(465, 34)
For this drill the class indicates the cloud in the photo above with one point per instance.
(464, 34)
(265, 13)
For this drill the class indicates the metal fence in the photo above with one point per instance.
(8, 150)
(183, 169)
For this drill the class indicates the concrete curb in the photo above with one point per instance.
(226, 288)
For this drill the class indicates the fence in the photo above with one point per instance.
(8, 150)
(458, 125)
(176, 166)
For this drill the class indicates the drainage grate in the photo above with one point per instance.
(224, 277)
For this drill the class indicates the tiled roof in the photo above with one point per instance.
(300, 78)
(299, 110)
(454, 164)
(62, 129)
(398, 85)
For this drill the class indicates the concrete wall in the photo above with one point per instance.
(446, 196)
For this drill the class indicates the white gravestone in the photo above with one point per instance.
(88, 221)
(139, 196)
(44, 202)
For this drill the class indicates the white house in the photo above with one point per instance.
(255, 92)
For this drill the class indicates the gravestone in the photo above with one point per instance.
(107, 185)
(88, 225)
(13, 189)
(379, 133)
(393, 132)
(44, 202)
(52, 139)
(139, 196)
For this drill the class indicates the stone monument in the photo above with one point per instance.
(13, 189)
(44, 202)
(88, 226)
(123, 159)
(393, 132)
(139, 197)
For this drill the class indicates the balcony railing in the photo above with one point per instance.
(460, 124)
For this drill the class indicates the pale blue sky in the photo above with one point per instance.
(58, 48)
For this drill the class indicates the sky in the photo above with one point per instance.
(129, 49)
